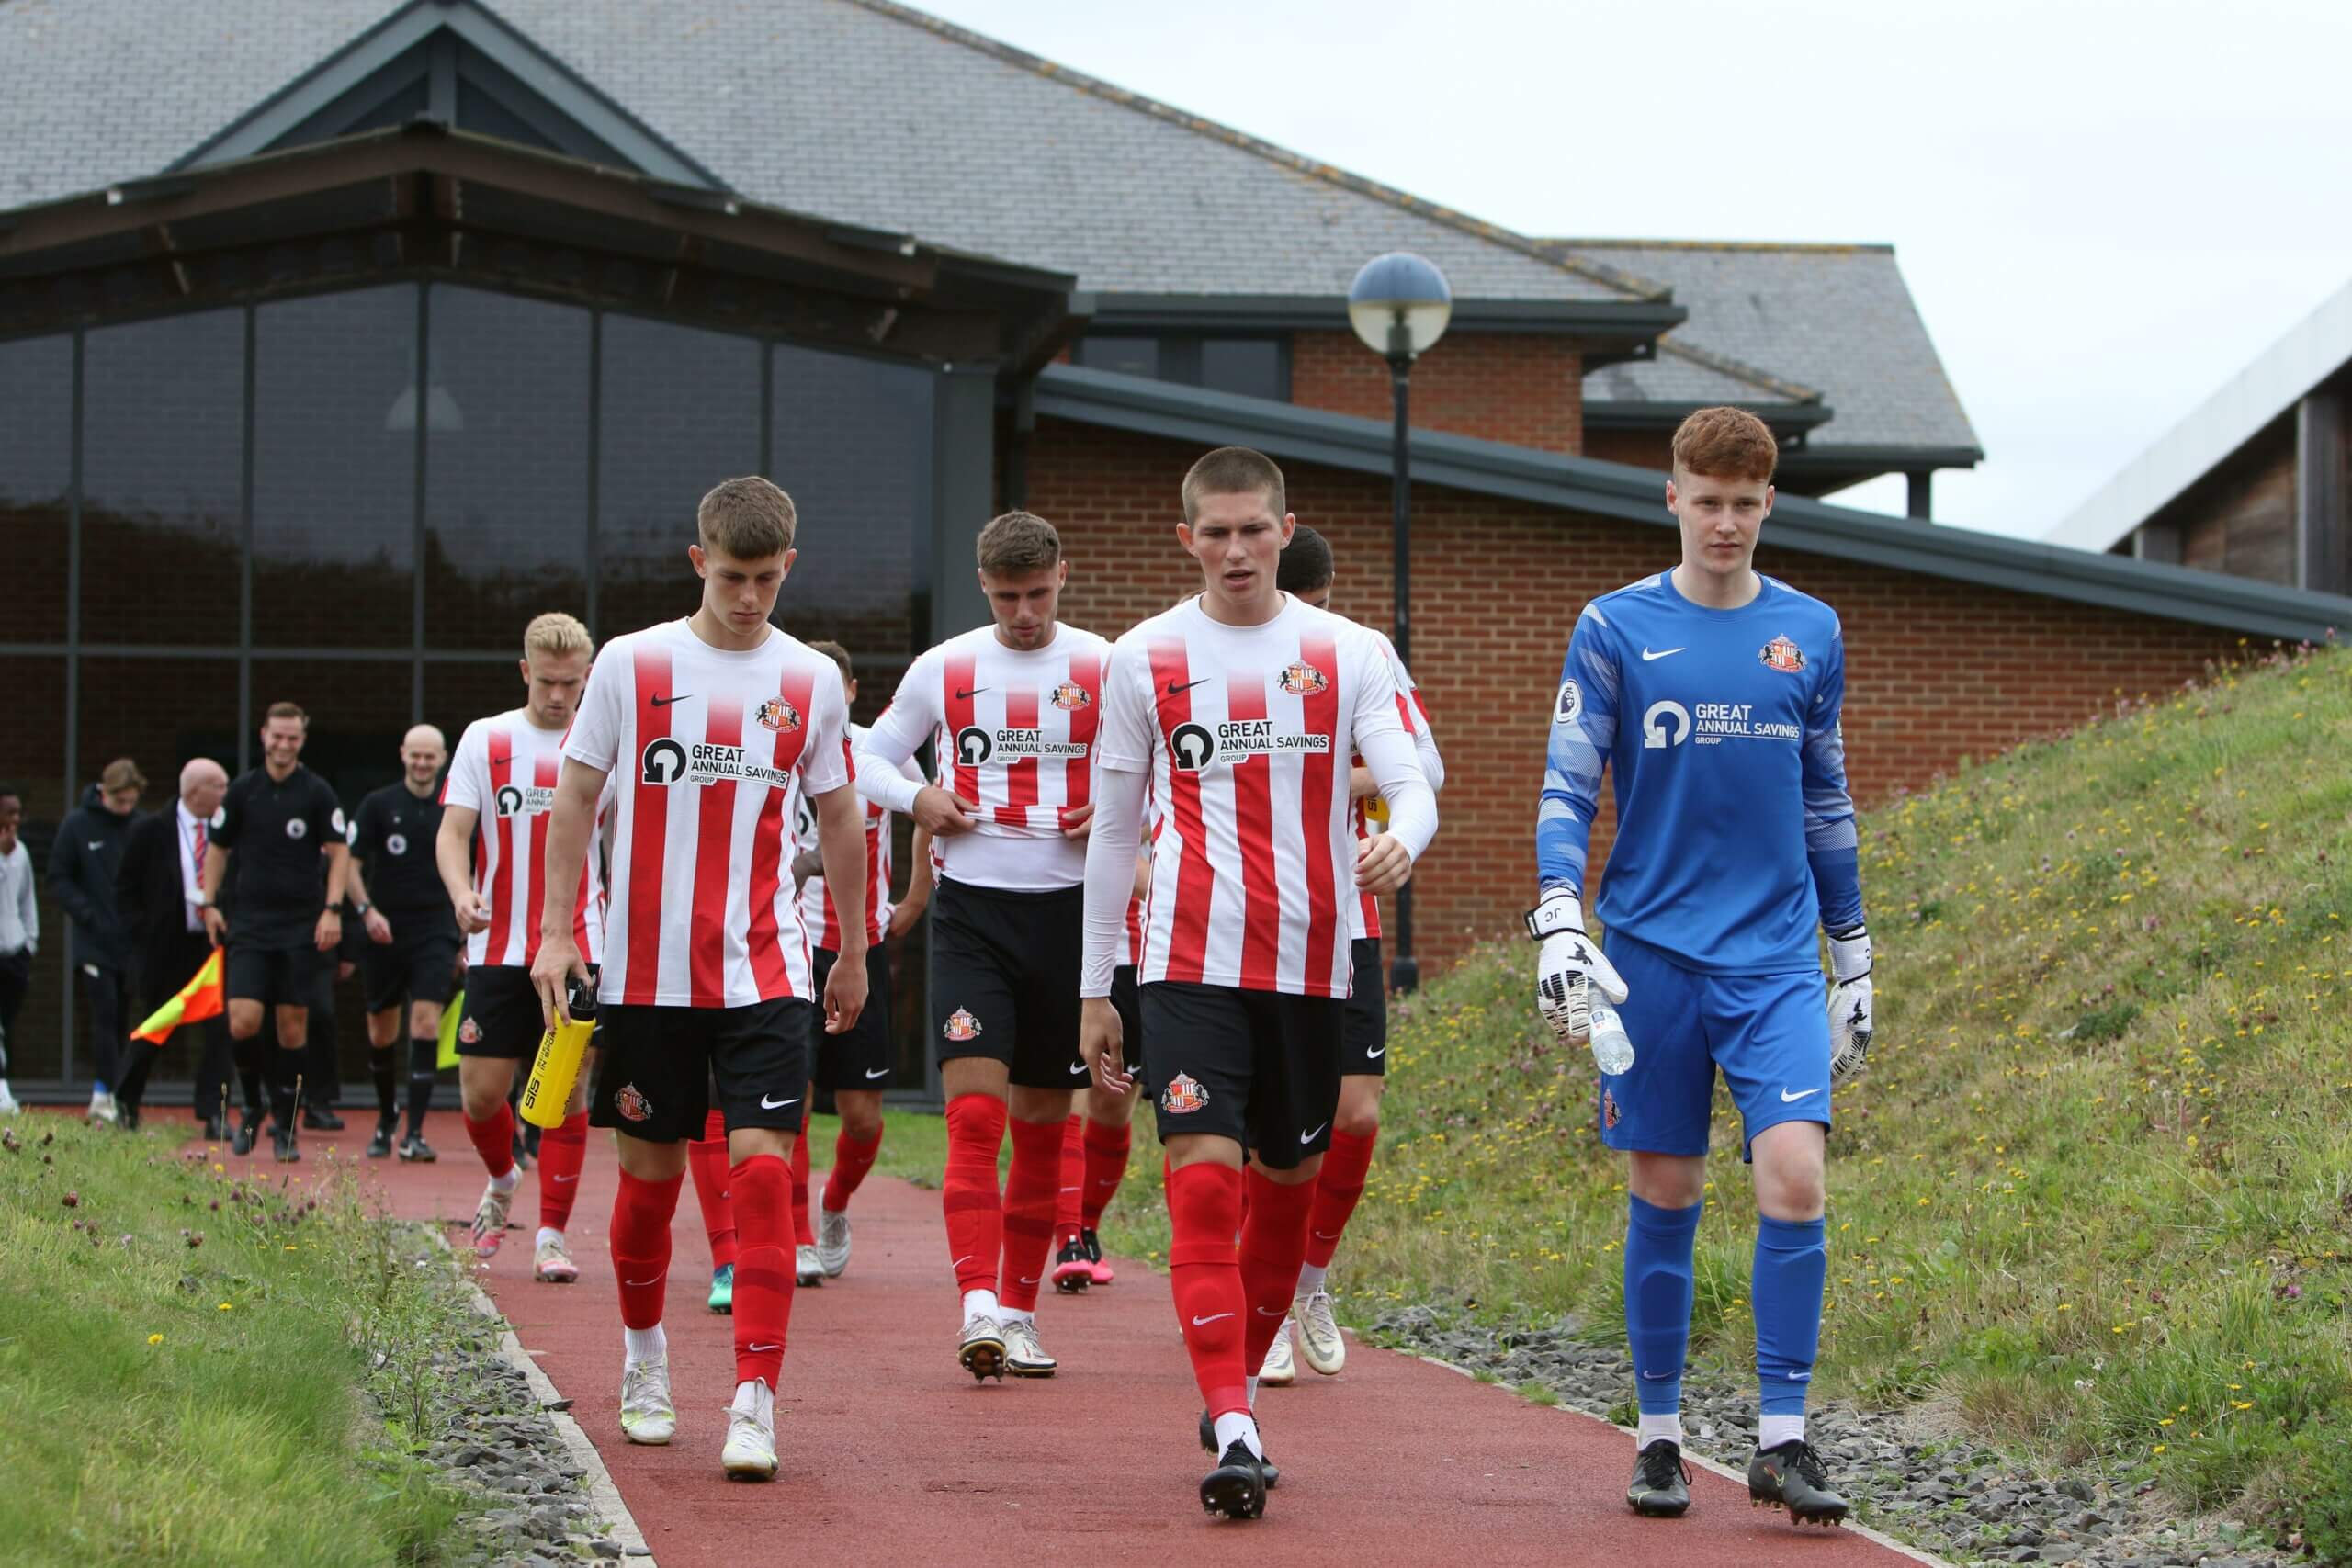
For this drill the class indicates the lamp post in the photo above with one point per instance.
(1399, 305)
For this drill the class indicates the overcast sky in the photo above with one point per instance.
(2104, 209)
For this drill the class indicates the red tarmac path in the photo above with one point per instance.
(890, 1453)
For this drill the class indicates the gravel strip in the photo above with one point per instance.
(497, 1439)
(1939, 1492)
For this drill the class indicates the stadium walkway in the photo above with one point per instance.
(891, 1454)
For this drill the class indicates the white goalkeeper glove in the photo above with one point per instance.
(1571, 968)
(1850, 1004)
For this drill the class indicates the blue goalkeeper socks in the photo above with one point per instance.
(1657, 1298)
(1792, 1261)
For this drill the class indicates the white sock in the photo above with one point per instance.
(1013, 1315)
(646, 1344)
(550, 1233)
(511, 1180)
(979, 1304)
(1310, 1279)
(754, 1397)
(1771, 1431)
(1650, 1428)
(1232, 1426)
(1250, 1390)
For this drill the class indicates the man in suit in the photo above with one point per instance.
(156, 891)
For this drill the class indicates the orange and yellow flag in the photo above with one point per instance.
(199, 999)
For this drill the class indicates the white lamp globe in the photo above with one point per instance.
(1399, 304)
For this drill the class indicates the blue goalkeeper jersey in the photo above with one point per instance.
(1734, 829)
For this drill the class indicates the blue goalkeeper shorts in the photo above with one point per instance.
(1769, 1033)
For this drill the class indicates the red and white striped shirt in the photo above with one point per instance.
(1415, 715)
(1016, 735)
(817, 912)
(1246, 732)
(703, 743)
(504, 772)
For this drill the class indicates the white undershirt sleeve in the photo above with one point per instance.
(1111, 843)
(1412, 804)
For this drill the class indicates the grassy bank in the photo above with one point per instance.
(181, 1356)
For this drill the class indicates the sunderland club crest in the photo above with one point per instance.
(961, 1025)
(1782, 655)
(1183, 1093)
(631, 1103)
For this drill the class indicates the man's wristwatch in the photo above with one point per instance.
(202, 901)
(361, 909)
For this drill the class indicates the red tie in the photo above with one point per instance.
(199, 855)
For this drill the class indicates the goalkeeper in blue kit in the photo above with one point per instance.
(1714, 695)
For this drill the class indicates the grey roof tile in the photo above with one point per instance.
(1837, 319)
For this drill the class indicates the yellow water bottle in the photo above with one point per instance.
(1376, 812)
(557, 1068)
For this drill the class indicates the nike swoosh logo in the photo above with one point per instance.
(1788, 1098)
(767, 1104)
(961, 1261)
(564, 1178)
(1268, 1312)
(973, 693)
(762, 1349)
(1375, 1055)
(665, 701)
(878, 1073)
(1662, 653)
(1308, 1136)
(634, 1284)
(1328, 1235)
(1173, 689)
(1800, 1377)
(98, 843)
(1657, 1376)
(1031, 1280)
(1205, 1322)
(501, 761)
(1077, 1067)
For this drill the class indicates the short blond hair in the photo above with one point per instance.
(555, 633)
(749, 519)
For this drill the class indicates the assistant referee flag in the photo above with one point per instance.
(199, 999)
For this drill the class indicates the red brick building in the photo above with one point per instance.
(339, 336)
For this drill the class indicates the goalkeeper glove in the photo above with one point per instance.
(1850, 1003)
(1571, 968)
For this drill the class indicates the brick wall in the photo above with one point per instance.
(1643, 449)
(1935, 670)
(1500, 387)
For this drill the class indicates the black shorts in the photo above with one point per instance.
(657, 1067)
(1130, 1010)
(283, 976)
(1260, 1067)
(418, 971)
(1004, 980)
(1364, 1048)
(504, 1018)
(861, 1058)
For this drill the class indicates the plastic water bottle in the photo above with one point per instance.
(1613, 1053)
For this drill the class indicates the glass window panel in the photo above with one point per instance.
(853, 442)
(358, 712)
(32, 760)
(456, 694)
(1127, 356)
(681, 411)
(334, 468)
(36, 482)
(162, 474)
(1251, 366)
(160, 713)
(506, 482)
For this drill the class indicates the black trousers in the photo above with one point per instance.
(109, 992)
(16, 979)
(167, 968)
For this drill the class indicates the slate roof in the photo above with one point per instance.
(1837, 319)
(858, 110)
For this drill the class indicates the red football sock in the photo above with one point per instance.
(563, 1151)
(1273, 1244)
(1337, 1191)
(1069, 1195)
(641, 1212)
(707, 1157)
(494, 1139)
(1204, 1208)
(1029, 1212)
(801, 1235)
(968, 1191)
(851, 1160)
(763, 1277)
(1106, 1164)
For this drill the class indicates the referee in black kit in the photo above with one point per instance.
(410, 955)
(275, 823)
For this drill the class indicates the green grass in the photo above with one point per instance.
(163, 1402)
(2092, 1197)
